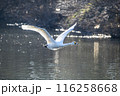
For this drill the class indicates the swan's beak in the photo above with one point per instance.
(75, 43)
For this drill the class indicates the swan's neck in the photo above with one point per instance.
(67, 44)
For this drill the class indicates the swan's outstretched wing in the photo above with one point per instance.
(62, 36)
(41, 31)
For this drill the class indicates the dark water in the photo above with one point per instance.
(22, 56)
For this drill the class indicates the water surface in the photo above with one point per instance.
(22, 56)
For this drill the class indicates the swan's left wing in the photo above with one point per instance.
(62, 36)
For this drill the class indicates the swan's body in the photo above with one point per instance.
(51, 43)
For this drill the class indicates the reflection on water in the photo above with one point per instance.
(96, 52)
(22, 56)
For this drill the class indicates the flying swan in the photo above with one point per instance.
(51, 43)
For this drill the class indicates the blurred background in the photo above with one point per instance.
(92, 16)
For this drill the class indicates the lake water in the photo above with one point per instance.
(22, 56)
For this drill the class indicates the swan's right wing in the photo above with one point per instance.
(62, 36)
(41, 31)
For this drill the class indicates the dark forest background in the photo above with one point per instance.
(92, 16)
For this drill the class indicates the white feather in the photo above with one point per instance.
(41, 31)
(62, 36)
(51, 43)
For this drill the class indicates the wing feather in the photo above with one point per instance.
(62, 36)
(41, 31)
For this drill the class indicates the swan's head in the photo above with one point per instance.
(75, 43)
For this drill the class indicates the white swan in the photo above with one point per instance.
(51, 43)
